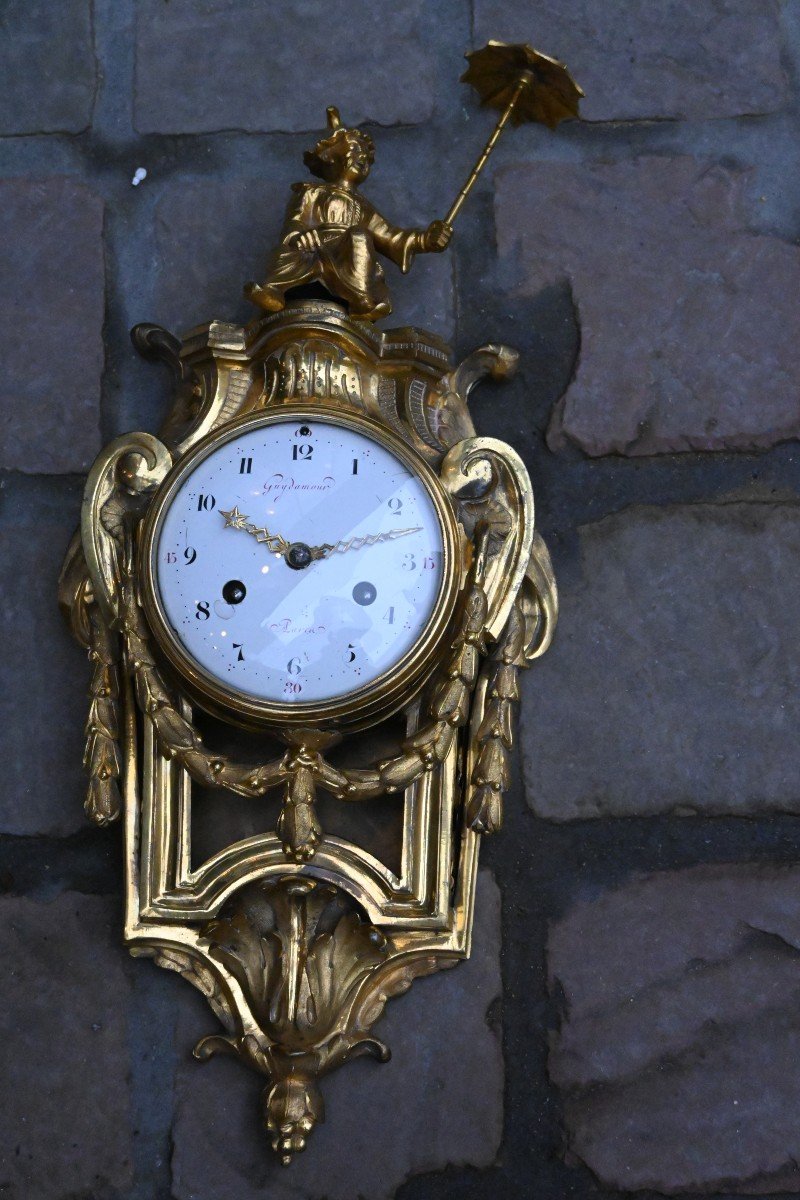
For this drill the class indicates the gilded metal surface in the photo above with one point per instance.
(331, 233)
(145, 754)
(525, 85)
(296, 937)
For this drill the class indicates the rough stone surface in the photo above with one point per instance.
(438, 1101)
(674, 680)
(47, 68)
(50, 340)
(680, 996)
(687, 320)
(65, 1114)
(637, 61)
(44, 675)
(233, 65)
(235, 226)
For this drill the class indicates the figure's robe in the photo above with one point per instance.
(350, 232)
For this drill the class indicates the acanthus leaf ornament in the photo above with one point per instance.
(405, 580)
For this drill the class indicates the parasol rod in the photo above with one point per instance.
(525, 79)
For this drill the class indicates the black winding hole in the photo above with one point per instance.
(234, 591)
(365, 593)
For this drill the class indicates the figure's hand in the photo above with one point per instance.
(309, 241)
(437, 236)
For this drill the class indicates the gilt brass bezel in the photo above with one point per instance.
(363, 706)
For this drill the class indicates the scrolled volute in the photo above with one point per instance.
(121, 479)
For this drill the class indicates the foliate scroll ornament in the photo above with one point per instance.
(315, 369)
(447, 413)
(489, 483)
(297, 977)
(121, 479)
(90, 589)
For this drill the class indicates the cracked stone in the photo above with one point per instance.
(65, 1116)
(439, 1100)
(222, 65)
(673, 684)
(681, 1022)
(47, 67)
(44, 675)
(687, 319)
(647, 61)
(51, 349)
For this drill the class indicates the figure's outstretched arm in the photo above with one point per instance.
(400, 245)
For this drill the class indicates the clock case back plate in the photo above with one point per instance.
(297, 939)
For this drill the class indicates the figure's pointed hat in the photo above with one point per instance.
(321, 159)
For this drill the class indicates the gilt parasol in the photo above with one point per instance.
(525, 85)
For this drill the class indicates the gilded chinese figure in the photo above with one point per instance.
(331, 234)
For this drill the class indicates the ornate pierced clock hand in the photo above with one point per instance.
(236, 520)
(357, 543)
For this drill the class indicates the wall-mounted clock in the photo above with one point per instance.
(316, 545)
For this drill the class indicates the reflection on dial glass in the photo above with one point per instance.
(299, 562)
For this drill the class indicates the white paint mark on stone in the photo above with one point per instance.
(139, 175)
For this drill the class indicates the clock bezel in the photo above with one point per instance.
(362, 706)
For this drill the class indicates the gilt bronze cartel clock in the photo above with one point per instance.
(316, 545)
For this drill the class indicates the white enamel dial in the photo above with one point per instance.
(359, 525)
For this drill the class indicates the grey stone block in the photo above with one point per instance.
(680, 1030)
(212, 236)
(229, 64)
(51, 324)
(687, 319)
(44, 675)
(674, 681)
(65, 1114)
(637, 61)
(439, 1100)
(47, 67)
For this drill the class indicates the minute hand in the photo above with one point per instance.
(357, 543)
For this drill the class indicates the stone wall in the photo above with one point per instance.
(629, 1021)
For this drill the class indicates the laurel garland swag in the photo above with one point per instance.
(302, 770)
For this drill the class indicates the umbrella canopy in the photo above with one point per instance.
(551, 94)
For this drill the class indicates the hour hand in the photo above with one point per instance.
(357, 543)
(236, 520)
